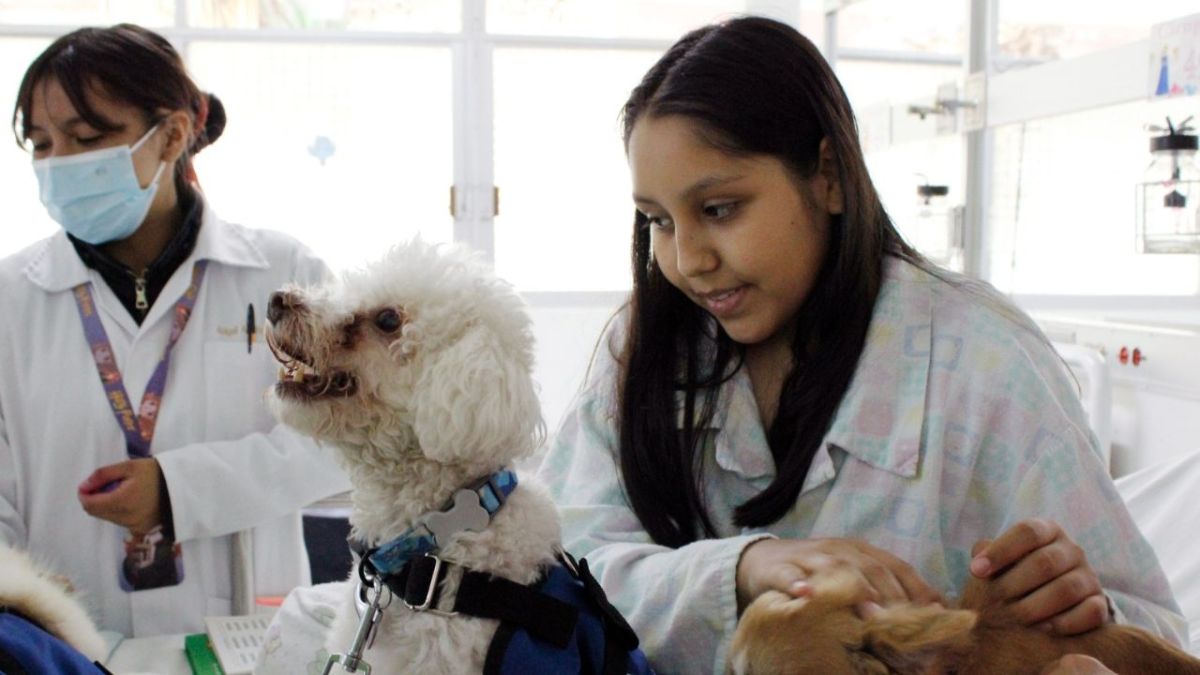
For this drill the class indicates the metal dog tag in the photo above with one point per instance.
(466, 514)
(352, 660)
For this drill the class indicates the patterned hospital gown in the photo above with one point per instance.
(959, 422)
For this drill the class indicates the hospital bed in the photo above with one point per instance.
(1162, 500)
(1095, 392)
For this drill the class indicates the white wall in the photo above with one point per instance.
(1156, 403)
(566, 336)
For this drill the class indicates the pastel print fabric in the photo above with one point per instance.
(960, 421)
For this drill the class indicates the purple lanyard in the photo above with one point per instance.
(138, 427)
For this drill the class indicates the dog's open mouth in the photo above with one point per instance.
(299, 378)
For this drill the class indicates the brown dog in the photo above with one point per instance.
(781, 635)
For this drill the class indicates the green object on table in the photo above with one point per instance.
(200, 655)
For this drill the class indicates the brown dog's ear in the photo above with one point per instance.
(909, 639)
(866, 664)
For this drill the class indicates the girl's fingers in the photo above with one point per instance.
(887, 588)
(1087, 615)
(1061, 597)
(906, 583)
(1039, 568)
(1017, 542)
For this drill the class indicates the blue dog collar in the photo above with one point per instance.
(470, 509)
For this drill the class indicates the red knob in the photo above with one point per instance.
(1123, 355)
(1137, 357)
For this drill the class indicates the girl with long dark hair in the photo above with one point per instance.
(792, 388)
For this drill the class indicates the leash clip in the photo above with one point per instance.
(352, 661)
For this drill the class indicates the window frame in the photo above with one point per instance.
(473, 196)
(1014, 95)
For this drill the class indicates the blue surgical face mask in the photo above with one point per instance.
(95, 195)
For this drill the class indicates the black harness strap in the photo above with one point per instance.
(619, 637)
(516, 606)
(490, 597)
(10, 665)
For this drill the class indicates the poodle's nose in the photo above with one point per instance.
(281, 303)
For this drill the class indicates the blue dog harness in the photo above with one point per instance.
(600, 640)
(25, 648)
(561, 624)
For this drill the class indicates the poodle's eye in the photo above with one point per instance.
(389, 320)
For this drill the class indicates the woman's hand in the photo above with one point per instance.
(785, 564)
(1043, 576)
(126, 493)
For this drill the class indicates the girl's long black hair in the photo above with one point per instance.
(755, 86)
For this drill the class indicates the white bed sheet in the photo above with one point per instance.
(1164, 500)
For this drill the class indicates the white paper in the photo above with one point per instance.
(236, 640)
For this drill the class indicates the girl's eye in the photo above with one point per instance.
(659, 222)
(89, 140)
(389, 320)
(720, 211)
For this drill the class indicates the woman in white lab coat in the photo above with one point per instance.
(134, 442)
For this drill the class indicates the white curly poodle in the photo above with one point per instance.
(418, 369)
(30, 589)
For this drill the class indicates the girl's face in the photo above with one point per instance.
(742, 236)
(57, 130)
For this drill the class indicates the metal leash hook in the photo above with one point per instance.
(352, 661)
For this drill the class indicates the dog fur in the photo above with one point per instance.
(781, 635)
(417, 412)
(34, 592)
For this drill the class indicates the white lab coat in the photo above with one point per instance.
(227, 464)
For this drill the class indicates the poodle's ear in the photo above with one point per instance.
(475, 402)
(909, 639)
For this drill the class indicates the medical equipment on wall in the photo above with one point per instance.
(1154, 378)
(937, 231)
(1168, 196)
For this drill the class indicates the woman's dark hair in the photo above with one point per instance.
(753, 86)
(126, 63)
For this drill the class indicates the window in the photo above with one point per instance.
(914, 26)
(893, 63)
(566, 214)
(871, 82)
(1064, 186)
(25, 219)
(929, 225)
(660, 19)
(412, 16)
(149, 13)
(347, 147)
(1035, 31)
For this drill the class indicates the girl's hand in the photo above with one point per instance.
(126, 493)
(785, 564)
(1044, 578)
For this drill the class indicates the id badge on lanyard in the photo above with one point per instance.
(152, 560)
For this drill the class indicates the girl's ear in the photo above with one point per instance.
(177, 130)
(827, 171)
